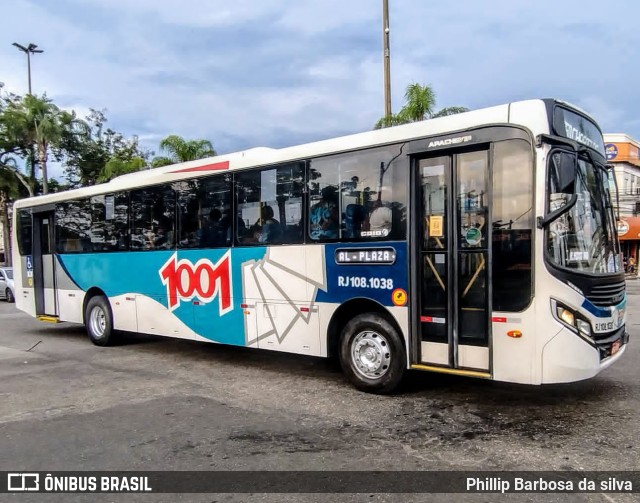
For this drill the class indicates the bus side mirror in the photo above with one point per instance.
(566, 165)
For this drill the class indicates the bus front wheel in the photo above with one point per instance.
(372, 354)
(98, 321)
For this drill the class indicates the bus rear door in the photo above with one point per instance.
(44, 264)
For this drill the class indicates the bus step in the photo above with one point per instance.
(49, 319)
(459, 372)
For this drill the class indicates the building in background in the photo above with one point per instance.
(624, 153)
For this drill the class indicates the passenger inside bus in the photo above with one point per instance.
(160, 235)
(324, 217)
(213, 232)
(267, 229)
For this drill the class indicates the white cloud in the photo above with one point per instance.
(310, 16)
(194, 13)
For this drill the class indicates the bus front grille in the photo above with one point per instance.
(607, 295)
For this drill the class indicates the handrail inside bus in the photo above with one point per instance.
(475, 275)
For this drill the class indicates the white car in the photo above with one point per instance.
(7, 287)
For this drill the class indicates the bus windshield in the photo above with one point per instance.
(584, 238)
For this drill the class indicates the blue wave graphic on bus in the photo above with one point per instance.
(138, 273)
(603, 312)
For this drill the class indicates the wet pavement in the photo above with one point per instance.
(162, 404)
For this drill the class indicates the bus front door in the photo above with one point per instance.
(44, 265)
(453, 239)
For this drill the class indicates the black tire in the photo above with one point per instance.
(8, 294)
(372, 354)
(98, 320)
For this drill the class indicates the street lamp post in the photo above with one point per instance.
(29, 50)
(387, 59)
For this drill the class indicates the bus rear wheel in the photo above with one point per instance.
(98, 321)
(372, 354)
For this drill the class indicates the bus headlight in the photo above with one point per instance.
(584, 327)
(565, 315)
(569, 318)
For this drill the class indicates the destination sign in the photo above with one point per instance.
(577, 128)
(386, 256)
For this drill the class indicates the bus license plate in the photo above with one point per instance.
(615, 347)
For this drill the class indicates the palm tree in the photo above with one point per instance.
(8, 193)
(50, 125)
(8, 166)
(37, 121)
(116, 167)
(12, 142)
(419, 106)
(420, 101)
(181, 150)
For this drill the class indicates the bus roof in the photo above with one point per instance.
(264, 156)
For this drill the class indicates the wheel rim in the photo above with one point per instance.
(97, 322)
(9, 295)
(371, 354)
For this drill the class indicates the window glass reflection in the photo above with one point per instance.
(358, 196)
(270, 205)
(513, 219)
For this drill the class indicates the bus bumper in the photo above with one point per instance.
(568, 358)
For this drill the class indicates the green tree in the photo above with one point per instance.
(88, 157)
(38, 122)
(420, 102)
(14, 142)
(9, 191)
(116, 167)
(180, 150)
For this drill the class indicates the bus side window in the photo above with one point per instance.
(358, 196)
(25, 228)
(513, 224)
(109, 222)
(269, 204)
(204, 212)
(73, 226)
(153, 218)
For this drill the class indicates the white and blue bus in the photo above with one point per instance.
(481, 244)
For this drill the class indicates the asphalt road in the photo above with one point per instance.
(162, 404)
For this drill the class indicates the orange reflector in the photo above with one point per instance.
(516, 334)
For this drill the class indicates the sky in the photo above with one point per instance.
(248, 73)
